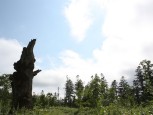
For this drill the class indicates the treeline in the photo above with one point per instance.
(96, 93)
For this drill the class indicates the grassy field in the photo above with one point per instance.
(54, 111)
(111, 110)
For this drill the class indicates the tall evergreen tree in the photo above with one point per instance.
(87, 96)
(95, 87)
(136, 91)
(113, 92)
(144, 73)
(104, 91)
(103, 84)
(95, 93)
(124, 92)
(79, 91)
(69, 92)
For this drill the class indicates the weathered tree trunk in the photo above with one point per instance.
(22, 78)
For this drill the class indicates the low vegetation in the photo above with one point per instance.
(95, 98)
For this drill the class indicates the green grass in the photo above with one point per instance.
(110, 110)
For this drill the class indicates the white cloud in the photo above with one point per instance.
(76, 65)
(128, 30)
(128, 35)
(49, 80)
(72, 65)
(10, 51)
(77, 12)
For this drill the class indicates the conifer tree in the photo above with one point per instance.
(79, 91)
(124, 92)
(113, 92)
(144, 73)
(69, 92)
(95, 87)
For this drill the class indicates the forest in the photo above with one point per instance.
(94, 98)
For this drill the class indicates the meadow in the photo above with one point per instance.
(94, 98)
(110, 110)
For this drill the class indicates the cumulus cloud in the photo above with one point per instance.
(77, 12)
(127, 28)
(49, 80)
(10, 51)
(72, 65)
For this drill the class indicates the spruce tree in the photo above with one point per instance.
(79, 91)
(69, 92)
(144, 74)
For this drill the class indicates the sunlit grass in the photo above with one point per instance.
(110, 110)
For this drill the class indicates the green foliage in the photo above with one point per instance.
(51, 99)
(5, 82)
(95, 98)
(109, 110)
(125, 93)
(143, 85)
(42, 100)
(95, 93)
(45, 101)
(92, 92)
(69, 93)
(5, 96)
(112, 92)
(79, 88)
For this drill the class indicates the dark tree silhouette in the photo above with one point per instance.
(21, 80)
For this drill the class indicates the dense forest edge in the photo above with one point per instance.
(94, 98)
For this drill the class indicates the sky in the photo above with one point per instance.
(77, 37)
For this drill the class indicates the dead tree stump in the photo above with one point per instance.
(21, 80)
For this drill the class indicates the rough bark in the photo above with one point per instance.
(22, 78)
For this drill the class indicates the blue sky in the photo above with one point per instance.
(77, 37)
(45, 21)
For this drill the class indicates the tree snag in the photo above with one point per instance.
(21, 80)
